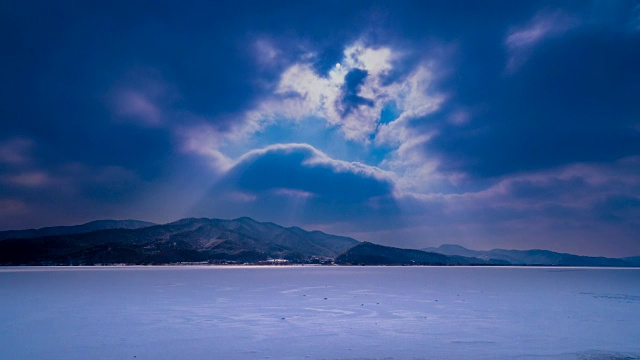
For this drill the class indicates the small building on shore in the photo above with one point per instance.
(273, 262)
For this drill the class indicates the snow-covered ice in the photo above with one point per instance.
(319, 313)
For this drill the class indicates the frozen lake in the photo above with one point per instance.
(319, 313)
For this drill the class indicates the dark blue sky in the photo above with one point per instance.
(506, 124)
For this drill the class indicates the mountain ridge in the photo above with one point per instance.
(534, 257)
(245, 240)
(185, 240)
(367, 253)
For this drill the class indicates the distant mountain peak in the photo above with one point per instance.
(452, 247)
(188, 220)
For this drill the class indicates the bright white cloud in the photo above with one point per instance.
(354, 109)
(303, 93)
(377, 62)
(415, 99)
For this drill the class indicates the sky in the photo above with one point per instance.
(489, 124)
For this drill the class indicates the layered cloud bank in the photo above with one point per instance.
(514, 125)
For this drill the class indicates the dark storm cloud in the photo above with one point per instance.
(575, 99)
(303, 170)
(297, 183)
(69, 67)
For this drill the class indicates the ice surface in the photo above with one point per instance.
(319, 313)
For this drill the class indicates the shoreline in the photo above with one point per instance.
(250, 266)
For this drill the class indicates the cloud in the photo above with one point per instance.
(571, 103)
(71, 179)
(12, 207)
(29, 179)
(16, 151)
(581, 208)
(266, 53)
(300, 168)
(578, 186)
(50, 194)
(205, 140)
(406, 108)
(304, 185)
(351, 95)
(144, 97)
(521, 40)
(137, 106)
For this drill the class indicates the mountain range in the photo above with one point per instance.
(244, 240)
(533, 257)
(187, 240)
